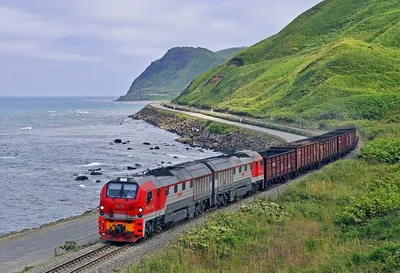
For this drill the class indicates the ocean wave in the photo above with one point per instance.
(7, 157)
(26, 128)
(91, 164)
(82, 186)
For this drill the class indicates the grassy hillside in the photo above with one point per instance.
(330, 63)
(229, 52)
(167, 77)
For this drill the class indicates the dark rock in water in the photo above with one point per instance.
(151, 148)
(111, 143)
(94, 170)
(175, 157)
(187, 148)
(128, 141)
(81, 178)
(138, 165)
(156, 148)
(96, 173)
(98, 181)
(118, 140)
(200, 150)
(75, 174)
(169, 162)
(131, 168)
(162, 162)
(129, 148)
(124, 142)
(146, 143)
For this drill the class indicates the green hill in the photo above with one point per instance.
(229, 52)
(168, 76)
(338, 60)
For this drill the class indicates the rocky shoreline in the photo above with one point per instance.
(193, 131)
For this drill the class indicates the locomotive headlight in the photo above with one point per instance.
(140, 209)
(101, 207)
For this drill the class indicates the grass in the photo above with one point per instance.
(303, 230)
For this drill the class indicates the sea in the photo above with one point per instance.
(45, 142)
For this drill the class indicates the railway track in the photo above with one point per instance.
(104, 253)
(87, 259)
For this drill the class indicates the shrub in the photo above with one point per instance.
(68, 245)
(384, 150)
(382, 197)
(217, 128)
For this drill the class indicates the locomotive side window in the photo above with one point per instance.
(149, 196)
(240, 169)
(261, 163)
(184, 186)
(167, 191)
(121, 190)
(191, 184)
(175, 188)
(251, 166)
(245, 168)
(234, 171)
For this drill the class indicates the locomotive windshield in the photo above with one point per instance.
(121, 190)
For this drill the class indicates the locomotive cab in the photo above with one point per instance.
(121, 210)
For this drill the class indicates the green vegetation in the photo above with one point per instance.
(342, 219)
(384, 150)
(26, 269)
(229, 52)
(217, 128)
(337, 62)
(68, 246)
(168, 76)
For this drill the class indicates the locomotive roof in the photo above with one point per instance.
(225, 162)
(178, 173)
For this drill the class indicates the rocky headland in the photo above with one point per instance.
(197, 132)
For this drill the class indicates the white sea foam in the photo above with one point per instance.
(52, 111)
(7, 157)
(82, 186)
(91, 164)
(27, 128)
(178, 156)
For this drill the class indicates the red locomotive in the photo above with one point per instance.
(132, 208)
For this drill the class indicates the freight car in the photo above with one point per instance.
(135, 207)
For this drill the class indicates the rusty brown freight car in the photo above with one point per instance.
(328, 147)
(279, 164)
(348, 139)
(307, 152)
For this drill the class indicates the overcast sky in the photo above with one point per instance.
(98, 47)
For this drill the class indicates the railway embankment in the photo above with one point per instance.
(207, 134)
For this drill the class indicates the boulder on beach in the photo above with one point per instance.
(138, 165)
(98, 181)
(118, 140)
(81, 178)
(129, 148)
(96, 173)
(131, 168)
(146, 143)
(156, 148)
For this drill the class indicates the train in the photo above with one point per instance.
(135, 207)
